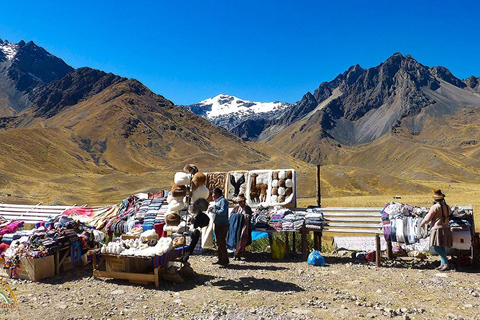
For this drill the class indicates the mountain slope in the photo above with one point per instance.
(25, 67)
(361, 106)
(127, 127)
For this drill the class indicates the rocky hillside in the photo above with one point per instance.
(24, 67)
(362, 105)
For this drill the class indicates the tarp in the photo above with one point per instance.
(258, 235)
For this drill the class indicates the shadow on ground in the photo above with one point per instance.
(251, 283)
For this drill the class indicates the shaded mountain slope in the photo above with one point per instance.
(24, 67)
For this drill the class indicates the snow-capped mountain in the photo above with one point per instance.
(229, 111)
(9, 49)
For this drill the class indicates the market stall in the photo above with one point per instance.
(50, 247)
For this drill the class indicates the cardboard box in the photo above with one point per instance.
(462, 240)
(67, 263)
(128, 264)
(36, 269)
(117, 264)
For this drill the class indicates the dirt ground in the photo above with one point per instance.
(261, 288)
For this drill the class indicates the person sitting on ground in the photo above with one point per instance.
(441, 235)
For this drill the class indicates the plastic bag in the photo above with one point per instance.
(316, 259)
(278, 250)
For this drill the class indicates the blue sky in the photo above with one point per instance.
(189, 51)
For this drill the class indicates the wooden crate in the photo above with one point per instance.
(136, 270)
(33, 269)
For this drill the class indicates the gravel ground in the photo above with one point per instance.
(260, 288)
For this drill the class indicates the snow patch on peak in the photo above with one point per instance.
(9, 49)
(224, 104)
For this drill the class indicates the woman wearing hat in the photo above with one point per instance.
(246, 227)
(440, 235)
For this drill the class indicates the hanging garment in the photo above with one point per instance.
(235, 230)
(207, 232)
(411, 234)
(393, 234)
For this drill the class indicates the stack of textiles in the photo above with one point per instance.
(10, 227)
(149, 221)
(460, 219)
(287, 222)
(276, 220)
(299, 222)
(401, 223)
(314, 219)
(143, 208)
(260, 220)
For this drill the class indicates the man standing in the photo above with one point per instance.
(221, 225)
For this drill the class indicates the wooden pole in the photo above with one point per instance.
(377, 252)
(319, 194)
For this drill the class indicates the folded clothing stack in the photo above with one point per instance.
(299, 221)
(261, 221)
(149, 221)
(314, 219)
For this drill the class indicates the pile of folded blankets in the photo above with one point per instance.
(314, 219)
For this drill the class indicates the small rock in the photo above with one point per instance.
(371, 315)
(120, 291)
(451, 316)
(475, 294)
(302, 311)
(468, 305)
(441, 275)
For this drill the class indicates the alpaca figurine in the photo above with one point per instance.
(254, 192)
(262, 190)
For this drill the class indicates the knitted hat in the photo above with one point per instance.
(199, 179)
(178, 191)
(200, 220)
(288, 191)
(201, 193)
(190, 168)
(176, 205)
(181, 178)
(172, 219)
(438, 195)
(200, 205)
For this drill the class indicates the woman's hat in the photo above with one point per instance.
(240, 197)
(173, 219)
(438, 195)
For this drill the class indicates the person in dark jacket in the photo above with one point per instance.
(220, 209)
(245, 228)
